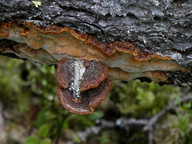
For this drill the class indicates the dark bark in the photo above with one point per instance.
(163, 27)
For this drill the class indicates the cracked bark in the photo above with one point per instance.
(155, 27)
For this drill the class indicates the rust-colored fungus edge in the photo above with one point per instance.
(108, 49)
(6, 25)
(3, 33)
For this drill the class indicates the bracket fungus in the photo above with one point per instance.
(83, 84)
(85, 63)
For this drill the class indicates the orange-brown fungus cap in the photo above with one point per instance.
(90, 98)
(95, 73)
(64, 73)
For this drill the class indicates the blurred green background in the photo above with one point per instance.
(30, 112)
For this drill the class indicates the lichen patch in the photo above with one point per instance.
(79, 70)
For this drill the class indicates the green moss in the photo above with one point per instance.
(137, 98)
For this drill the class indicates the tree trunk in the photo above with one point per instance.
(136, 39)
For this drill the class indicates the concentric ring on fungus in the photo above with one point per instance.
(83, 84)
(90, 98)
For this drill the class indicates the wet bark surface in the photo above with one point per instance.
(153, 26)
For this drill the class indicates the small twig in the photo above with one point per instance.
(150, 137)
(154, 119)
(132, 121)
